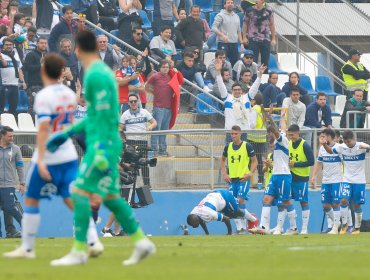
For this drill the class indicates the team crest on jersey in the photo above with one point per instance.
(48, 189)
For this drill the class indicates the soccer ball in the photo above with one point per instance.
(107, 234)
(253, 224)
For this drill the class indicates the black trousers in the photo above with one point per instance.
(144, 170)
(10, 93)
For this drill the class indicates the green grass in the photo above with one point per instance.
(205, 257)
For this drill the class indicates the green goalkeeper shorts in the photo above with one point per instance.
(91, 179)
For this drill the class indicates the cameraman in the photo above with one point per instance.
(136, 119)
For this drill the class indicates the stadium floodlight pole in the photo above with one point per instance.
(150, 58)
(297, 36)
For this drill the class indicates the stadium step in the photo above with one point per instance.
(195, 140)
(192, 126)
(185, 118)
(194, 151)
(196, 178)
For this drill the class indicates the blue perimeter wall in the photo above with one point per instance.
(169, 211)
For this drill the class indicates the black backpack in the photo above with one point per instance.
(107, 8)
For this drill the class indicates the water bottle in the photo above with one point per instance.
(150, 154)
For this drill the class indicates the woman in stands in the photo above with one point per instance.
(294, 82)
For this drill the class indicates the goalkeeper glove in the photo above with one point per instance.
(57, 139)
(100, 159)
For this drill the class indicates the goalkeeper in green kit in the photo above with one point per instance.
(98, 175)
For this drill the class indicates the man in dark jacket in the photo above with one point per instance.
(318, 113)
(65, 28)
(71, 61)
(356, 103)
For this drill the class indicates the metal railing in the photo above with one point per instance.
(355, 113)
(194, 161)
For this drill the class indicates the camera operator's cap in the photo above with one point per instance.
(248, 53)
(353, 52)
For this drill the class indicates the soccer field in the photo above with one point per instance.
(206, 257)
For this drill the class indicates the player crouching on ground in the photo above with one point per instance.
(219, 206)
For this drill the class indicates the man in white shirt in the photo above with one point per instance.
(136, 119)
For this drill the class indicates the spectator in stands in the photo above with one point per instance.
(137, 40)
(258, 26)
(355, 75)
(11, 74)
(162, 47)
(32, 67)
(67, 27)
(164, 11)
(356, 103)
(296, 111)
(111, 56)
(184, 4)
(107, 12)
(31, 41)
(228, 82)
(163, 103)
(177, 37)
(142, 76)
(220, 55)
(88, 8)
(71, 61)
(245, 80)
(198, 62)
(192, 29)
(271, 91)
(136, 119)
(238, 109)
(190, 72)
(245, 63)
(227, 27)
(129, 18)
(294, 82)
(258, 138)
(46, 16)
(318, 113)
(11, 163)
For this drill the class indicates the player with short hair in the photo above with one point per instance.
(354, 179)
(51, 173)
(279, 186)
(242, 163)
(98, 176)
(220, 206)
(331, 165)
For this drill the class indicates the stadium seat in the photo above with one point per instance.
(203, 108)
(282, 79)
(24, 3)
(323, 84)
(264, 78)
(144, 17)
(336, 121)
(114, 32)
(212, 18)
(273, 65)
(203, 16)
(9, 120)
(288, 63)
(305, 82)
(340, 101)
(208, 57)
(25, 123)
(23, 102)
(149, 6)
(65, 2)
(205, 5)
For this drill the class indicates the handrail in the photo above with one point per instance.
(313, 28)
(109, 35)
(357, 9)
(314, 62)
(354, 117)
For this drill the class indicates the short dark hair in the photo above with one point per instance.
(18, 17)
(348, 134)
(320, 93)
(295, 89)
(67, 8)
(136, 28)
(329, 132)
(5, 129)
(272, 73)
(258, 98)
(41, 38)
(54, 64)
(245, 71)
(86, 41)
(189, 54)
(32, 29)
(165, 28)
(220, 52)
(163, 62)
(236, 128)
(236, 84)
(293, 128)
(193, 220)
(223, 70)
(194, 7)
(358, 89)
(7, 39)
(133, 94)
(337, 133)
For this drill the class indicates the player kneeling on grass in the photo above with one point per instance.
(51, 173)
(219, 206)
(354, 180)
(98, 175)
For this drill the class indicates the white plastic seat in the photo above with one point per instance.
(282, 79)
(288, 63)
(25, 123)
(340, 102)
(9, 120)
(208, 58)
(336, 121)
(264, 78)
